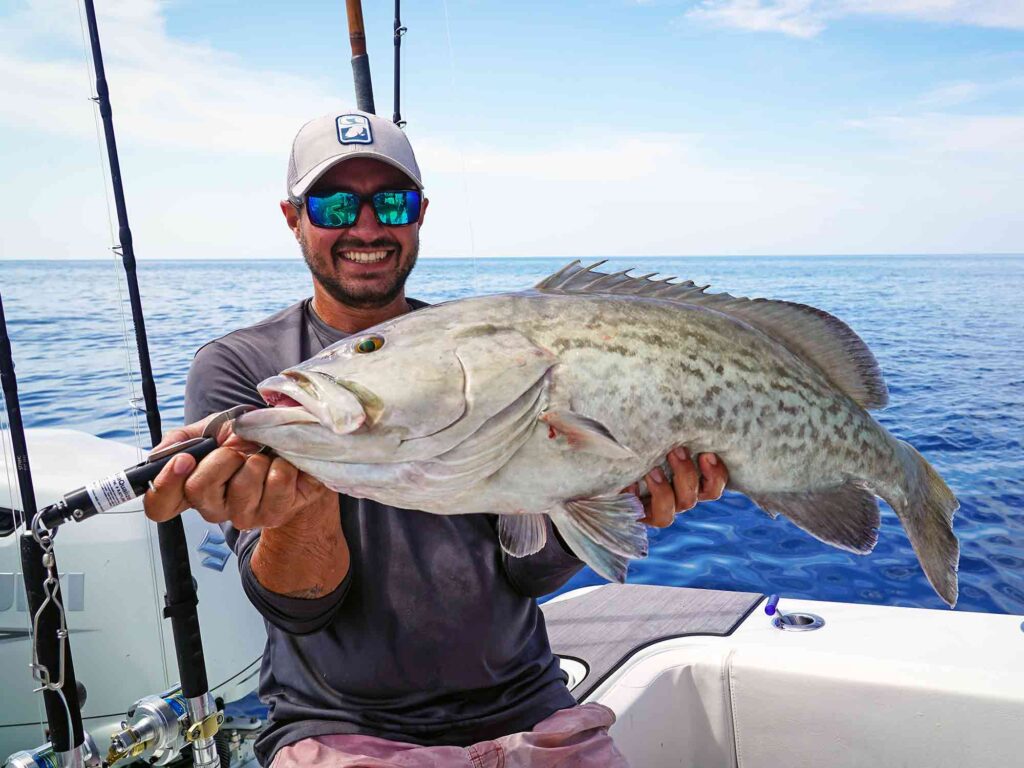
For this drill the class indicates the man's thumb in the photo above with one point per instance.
(166, 496)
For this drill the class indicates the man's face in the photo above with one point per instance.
(333, 255)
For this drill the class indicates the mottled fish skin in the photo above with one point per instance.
(651, 373)
(659, 376)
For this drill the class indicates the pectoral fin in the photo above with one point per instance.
(605, 532)
(522, 535)
(585, 434)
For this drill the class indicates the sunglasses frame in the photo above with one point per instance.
(363, 200)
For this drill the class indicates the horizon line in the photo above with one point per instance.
(879, 254)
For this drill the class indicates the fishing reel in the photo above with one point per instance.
(46, 757)
(158, 728)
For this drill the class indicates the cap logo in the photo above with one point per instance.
(354, 129)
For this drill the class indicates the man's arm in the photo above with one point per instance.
(298, 583)
(291, 549)
(545, 571)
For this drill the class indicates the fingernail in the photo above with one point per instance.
(712, 459)
(180, 465)
(682, 453)
(657, 475)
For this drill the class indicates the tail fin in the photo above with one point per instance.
(927, 516)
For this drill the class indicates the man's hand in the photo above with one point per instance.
(234, 483)
(691, 483)
(301, 552)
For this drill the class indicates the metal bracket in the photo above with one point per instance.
(205, 729)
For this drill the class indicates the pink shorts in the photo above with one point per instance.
(572, 737)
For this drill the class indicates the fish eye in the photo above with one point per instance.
(370, 344)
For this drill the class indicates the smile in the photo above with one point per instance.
(365, 257)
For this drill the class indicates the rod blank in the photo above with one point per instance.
(181, 599)
(399, 30)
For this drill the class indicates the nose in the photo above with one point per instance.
(366, 226)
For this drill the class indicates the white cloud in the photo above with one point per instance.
(997, 135)
(966, 91)
(799, 18)
(655, 195)
(165, 92)
(807, 18)
(633, 157)
(951, 95)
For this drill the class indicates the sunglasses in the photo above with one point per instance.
(335, 210)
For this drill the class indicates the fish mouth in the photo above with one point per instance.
(297, 397)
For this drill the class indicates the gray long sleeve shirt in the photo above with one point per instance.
(433, 637)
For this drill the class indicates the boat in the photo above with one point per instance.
(700, 678)
(696, 677)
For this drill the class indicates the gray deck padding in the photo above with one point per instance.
(606, 626)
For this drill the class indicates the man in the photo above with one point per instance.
(394, 637)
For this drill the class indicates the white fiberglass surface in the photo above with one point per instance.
(876, 686)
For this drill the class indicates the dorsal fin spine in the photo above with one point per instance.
(810, 333)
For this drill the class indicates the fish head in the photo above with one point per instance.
(402, 379)
(406, 380)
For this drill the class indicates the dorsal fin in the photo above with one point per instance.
(813, 334)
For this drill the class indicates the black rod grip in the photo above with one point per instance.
(363, 83)
(181, 604)
(49, 650)
(111, 491)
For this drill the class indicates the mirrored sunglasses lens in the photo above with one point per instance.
(340, 209)
(396, 209)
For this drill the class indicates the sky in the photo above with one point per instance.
(568, 128)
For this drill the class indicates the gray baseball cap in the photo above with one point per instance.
(326, 141)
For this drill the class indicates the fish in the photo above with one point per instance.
(547, 402)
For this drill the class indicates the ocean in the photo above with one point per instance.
(947, 332)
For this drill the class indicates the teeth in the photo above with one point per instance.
(365, 257)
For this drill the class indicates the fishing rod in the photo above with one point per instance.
(360, 59)
(121, 487)
(180, 598)
(51, 646)
(399, 33)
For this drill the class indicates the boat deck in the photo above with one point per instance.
(604, 627)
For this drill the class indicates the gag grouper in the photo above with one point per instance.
(551, 400)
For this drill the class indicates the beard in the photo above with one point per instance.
(352, 293)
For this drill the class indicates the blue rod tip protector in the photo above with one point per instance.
(772, 605)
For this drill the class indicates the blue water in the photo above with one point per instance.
(946, 330)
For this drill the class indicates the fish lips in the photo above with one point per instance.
(318, 398)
